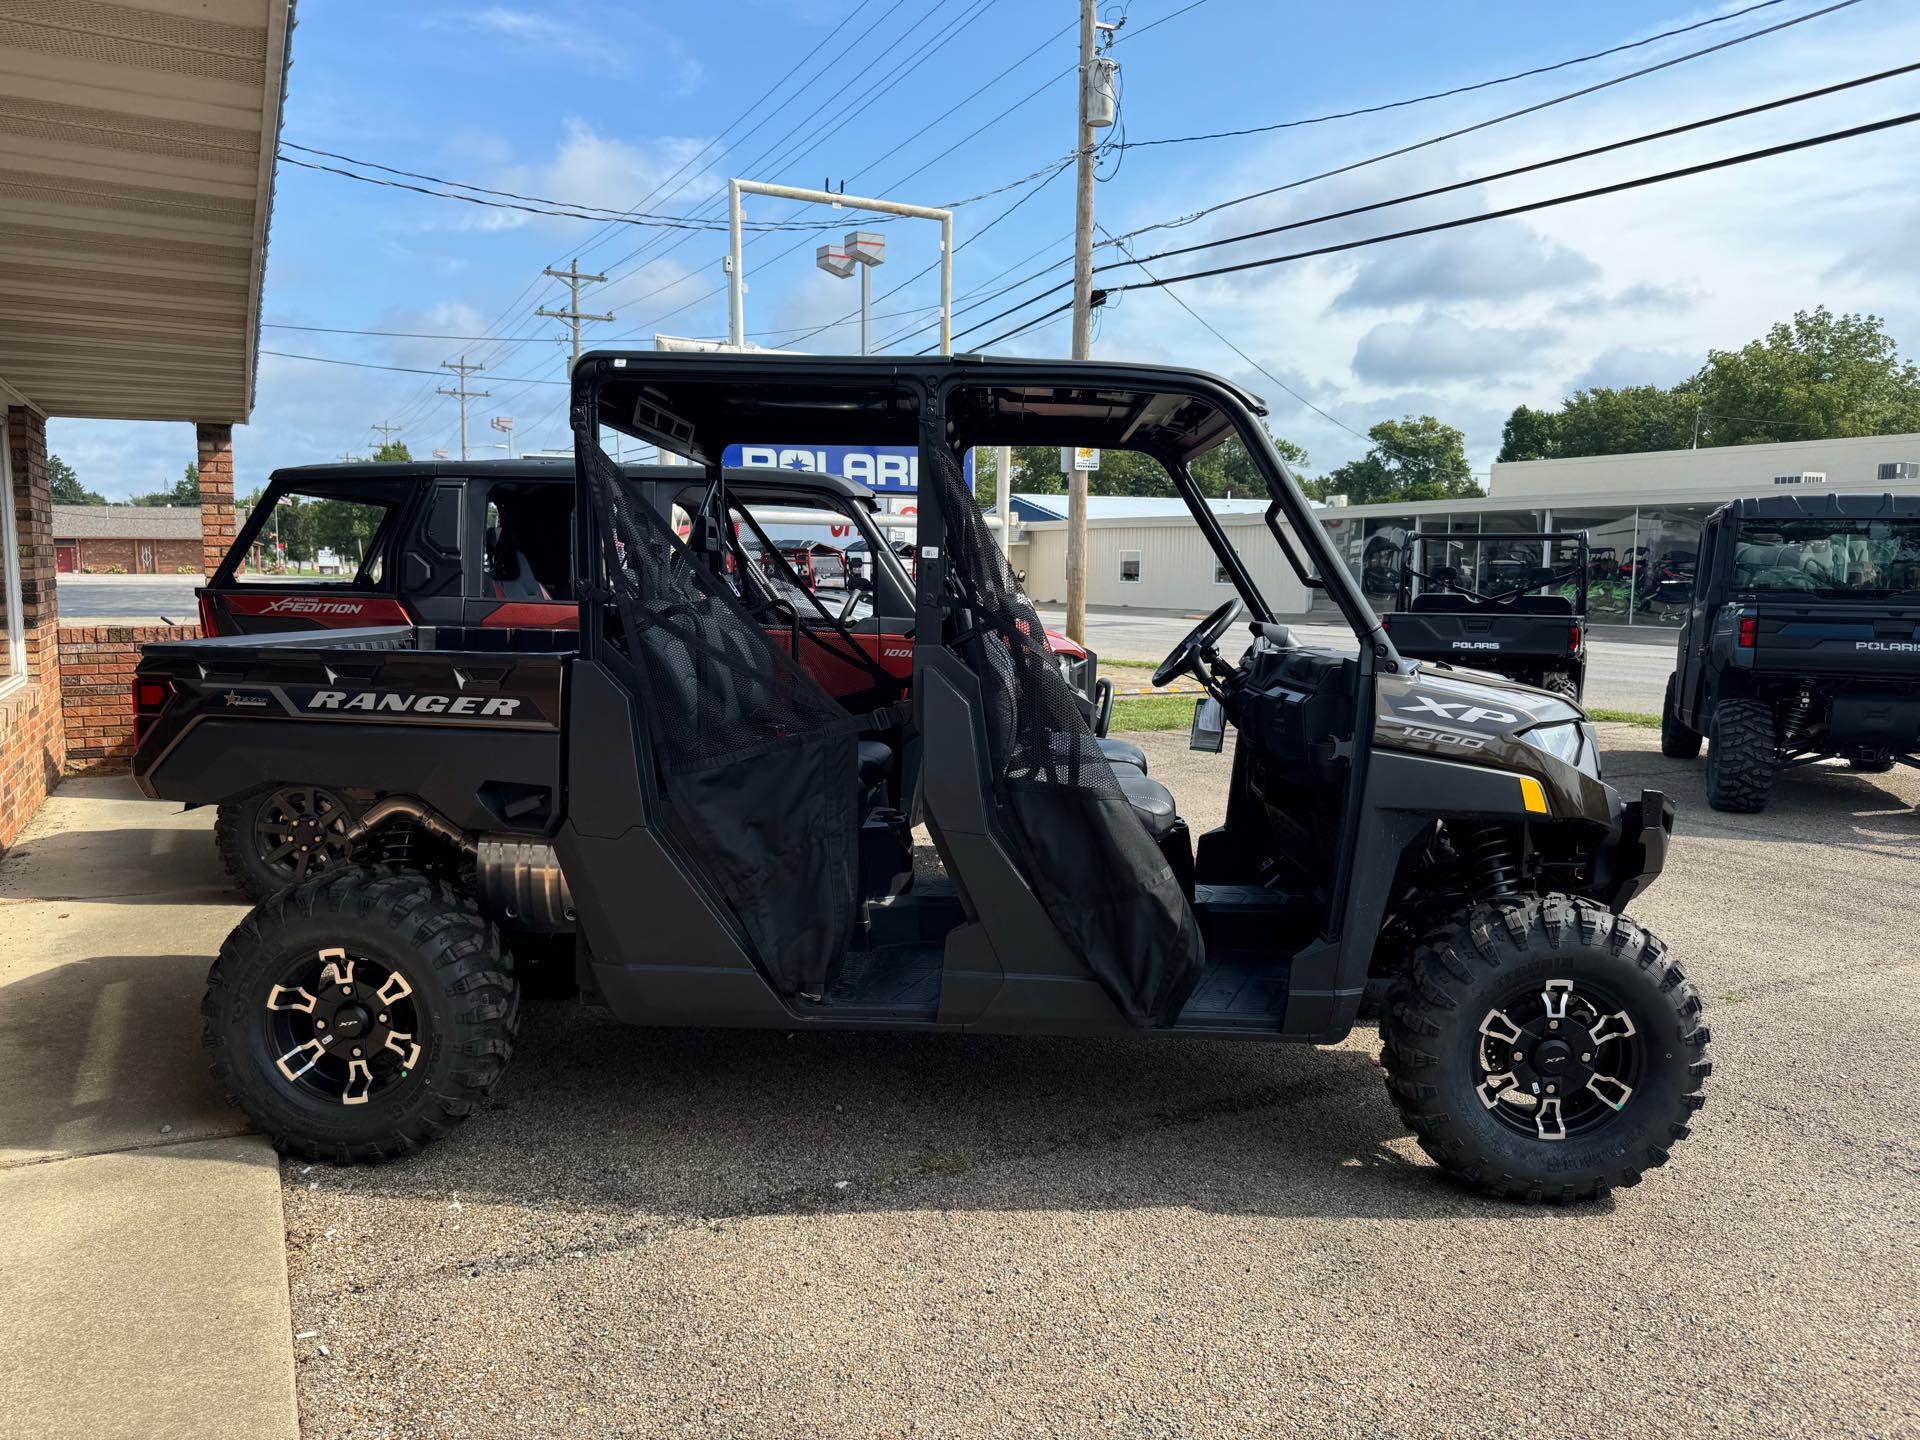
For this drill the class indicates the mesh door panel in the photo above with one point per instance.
(1109, 890)
(759, 762)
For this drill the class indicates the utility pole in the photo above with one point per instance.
(574, 278)
(1082, 323)
(463, 369)
(387, 432)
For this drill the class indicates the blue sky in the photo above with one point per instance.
(599, 104)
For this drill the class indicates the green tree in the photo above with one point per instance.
(66, 486)
(393, 450)
(1627, 420)
(1820, 375)
(1530, 434)
(1411, 459)
(185, 491)
(1225, 470)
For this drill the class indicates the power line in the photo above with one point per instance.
(534, 204)
(1665, 134)
(1495, 120)
(1437, 190)
(399, 369)
(1768, 152)
(1456, 90)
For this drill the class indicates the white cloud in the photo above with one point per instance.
(580, 35)
(1503, 260)
(1620, 365)
(1436, 347)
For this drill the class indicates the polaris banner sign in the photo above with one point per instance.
(883, 469)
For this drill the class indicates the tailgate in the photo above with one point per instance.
(1836, 640)
(1445, 635)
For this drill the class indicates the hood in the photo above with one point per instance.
(1485, 720)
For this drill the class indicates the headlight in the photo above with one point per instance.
(1572, 741)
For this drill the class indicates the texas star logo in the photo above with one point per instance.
(246, 702)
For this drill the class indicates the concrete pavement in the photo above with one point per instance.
(142, 1256)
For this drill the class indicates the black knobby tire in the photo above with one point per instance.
(1677, 742)
(1433, 1033)
(1743, 749)
(462, 997)
(1562, 683)
(1882, 766)
(240, 828)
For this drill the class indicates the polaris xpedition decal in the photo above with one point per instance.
(1903, 647)
(1476, 644)
(307, 605)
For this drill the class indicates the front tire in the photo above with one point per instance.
(360, 1015)
(1677, 742)
(1742, 751)
(1486, 991)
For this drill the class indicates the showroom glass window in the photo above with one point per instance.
(1610, 542)
(13, 649)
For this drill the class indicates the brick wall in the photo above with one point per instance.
(96, 691)
(32, 741)
(166, 557)
(217, 522)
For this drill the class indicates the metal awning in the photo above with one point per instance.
(136, 181)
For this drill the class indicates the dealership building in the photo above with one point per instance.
(1641, 514)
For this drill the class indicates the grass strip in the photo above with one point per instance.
(1626, 717)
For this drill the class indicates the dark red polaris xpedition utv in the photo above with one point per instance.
(729, 844)
(488, 546)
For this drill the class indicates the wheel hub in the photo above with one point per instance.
(301, 830)
(344, 1026)
(1557, 1061)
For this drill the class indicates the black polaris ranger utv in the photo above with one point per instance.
(1802, 642)
(488, 545)
(730, 845)
(1511, 603)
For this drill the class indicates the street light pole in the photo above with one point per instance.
(736, 261)
(862, 250)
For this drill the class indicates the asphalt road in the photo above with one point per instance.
(130, 599)
(1621, 674)
(653, 1233)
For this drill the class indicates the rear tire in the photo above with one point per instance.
(1743, 751)
(1562, 683)
(1497, 959)
(1677, 742)
(1871, 767)
(249, 830)
(443, 980)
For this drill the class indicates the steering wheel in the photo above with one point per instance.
(1198, 642)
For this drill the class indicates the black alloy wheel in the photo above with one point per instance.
(1557, 1060)
(284, 835)
(344, 1027)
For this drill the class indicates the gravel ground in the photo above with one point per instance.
(738, 1234)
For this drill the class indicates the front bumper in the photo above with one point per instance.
(1635, 850)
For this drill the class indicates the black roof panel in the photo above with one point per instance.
(1829, 506)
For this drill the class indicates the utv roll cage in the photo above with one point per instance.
(1443, 589)
(1054, 793)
